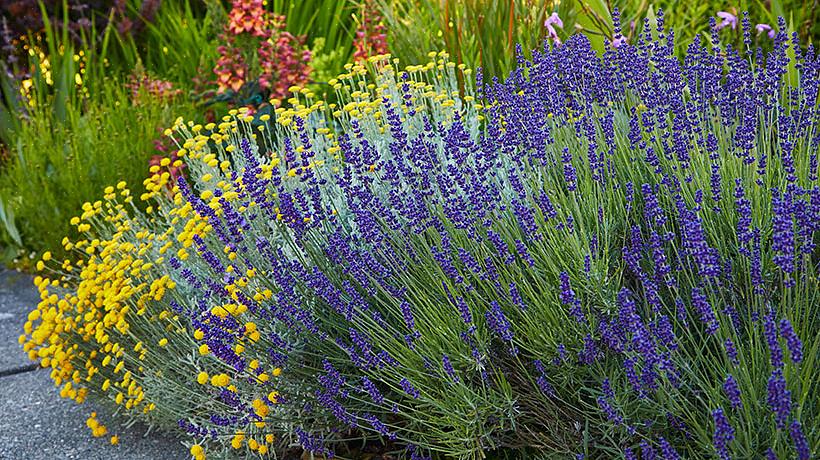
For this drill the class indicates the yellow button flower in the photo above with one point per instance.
(198, 452)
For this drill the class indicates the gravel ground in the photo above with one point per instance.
(35, 423)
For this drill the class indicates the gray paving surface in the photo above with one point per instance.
(35, 423)
(18, 296)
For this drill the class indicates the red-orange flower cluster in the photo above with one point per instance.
(248, 16)
(231, 70)
(281, 60)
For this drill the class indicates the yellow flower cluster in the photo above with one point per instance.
(103, 324)
(98, 430)
(82, 327)
(198, 452)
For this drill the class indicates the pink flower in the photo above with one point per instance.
(760, 28)
(729, 19)
(554, 19)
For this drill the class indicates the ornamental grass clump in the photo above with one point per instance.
(608, 255)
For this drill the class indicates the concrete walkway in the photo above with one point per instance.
(35, 423)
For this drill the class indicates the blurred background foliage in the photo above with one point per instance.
(483, 33)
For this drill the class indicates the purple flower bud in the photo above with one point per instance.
(611, 414)
(647, 452)
(498, 322)
(705, 311)
(589, 353)
(409, 388)
(542, 381)
(448, 368)
(731, 351)
(569, 170)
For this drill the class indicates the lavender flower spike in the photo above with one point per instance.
(732, 391)
(724, 434)
(792, 341)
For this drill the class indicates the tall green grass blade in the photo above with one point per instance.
(7, 219)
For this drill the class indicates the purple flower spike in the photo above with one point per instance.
(542, 381)
(589, 353)
(668, 452)
(801, 445)
(732, 392)
(724, 434)
(647, 452)
(568, 298)
(611, 413)
(409, 388)
(707, 314)
(498, 322)
(792, 341)
(448, 368)
(779, 398)
(731, 351)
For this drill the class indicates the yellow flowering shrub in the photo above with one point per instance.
(116, 322)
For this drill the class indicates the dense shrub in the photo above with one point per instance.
(600, 255)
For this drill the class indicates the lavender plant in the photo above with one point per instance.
(616, 257)
(602, 255)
